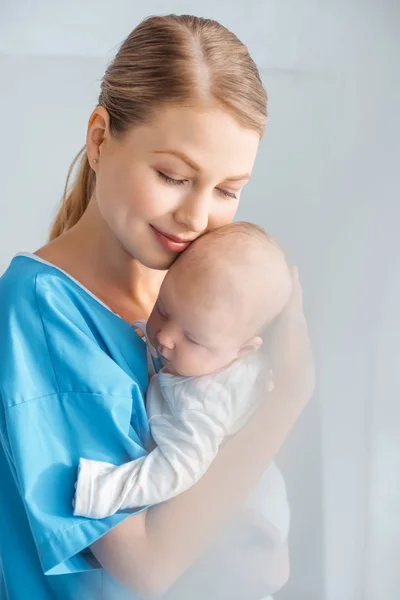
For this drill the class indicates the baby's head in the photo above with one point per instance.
(217, 298)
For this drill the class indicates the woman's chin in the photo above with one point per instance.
(158, 261)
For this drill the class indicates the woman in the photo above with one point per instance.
(168, 150)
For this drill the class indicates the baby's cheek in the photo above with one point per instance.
(189, 362)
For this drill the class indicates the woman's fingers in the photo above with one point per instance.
(295, 303)
(290, 350)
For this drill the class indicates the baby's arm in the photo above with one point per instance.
(187, 443)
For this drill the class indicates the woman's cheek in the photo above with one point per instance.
(224, 214)
(155, 200)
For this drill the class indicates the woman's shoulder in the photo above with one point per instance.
(56, 336)
(19, 277)
(30, 279)
(33, 288)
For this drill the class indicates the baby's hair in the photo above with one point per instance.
(243, 231)
(239, 263)
(246, 228)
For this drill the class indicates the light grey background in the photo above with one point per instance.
(326, 183)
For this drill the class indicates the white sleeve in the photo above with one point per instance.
(187, 443)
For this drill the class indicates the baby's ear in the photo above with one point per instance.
(251, 346)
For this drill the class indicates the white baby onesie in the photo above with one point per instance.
(189, 418)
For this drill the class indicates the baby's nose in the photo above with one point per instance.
(165, 339)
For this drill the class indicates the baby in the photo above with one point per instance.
(208, 373)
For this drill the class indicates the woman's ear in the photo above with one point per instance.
(98, 130)
(250, 346)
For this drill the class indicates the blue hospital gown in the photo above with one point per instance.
(72, 381)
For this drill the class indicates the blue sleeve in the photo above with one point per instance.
(47, 436)
(76, 389)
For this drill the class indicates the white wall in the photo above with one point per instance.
(361, 217)
(44, 106)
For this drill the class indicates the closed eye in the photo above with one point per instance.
(192, 341)
(171, 180)
(227, 194)
(162, 315)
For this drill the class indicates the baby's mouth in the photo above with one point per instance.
(164, 361)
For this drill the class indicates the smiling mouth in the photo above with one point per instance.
(171, 242)
(174, 238)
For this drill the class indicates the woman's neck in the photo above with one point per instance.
(90, 254)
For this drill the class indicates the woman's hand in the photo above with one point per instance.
(289, 348)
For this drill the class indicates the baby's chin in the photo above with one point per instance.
(169, 367)
(171, 371)
(195, 373)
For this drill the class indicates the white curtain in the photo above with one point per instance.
(382, 572)
(359, 341)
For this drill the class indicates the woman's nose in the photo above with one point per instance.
(194, 212)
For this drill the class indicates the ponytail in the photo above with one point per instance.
(75, 201)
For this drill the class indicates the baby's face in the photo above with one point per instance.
(193, 335)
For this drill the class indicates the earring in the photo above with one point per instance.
(94, 161)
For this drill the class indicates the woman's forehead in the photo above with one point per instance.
(200, 138)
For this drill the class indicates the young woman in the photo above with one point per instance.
(169, 148)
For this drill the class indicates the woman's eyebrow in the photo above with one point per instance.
(182, 156)
(244, 177)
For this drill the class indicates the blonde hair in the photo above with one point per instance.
(175, 59)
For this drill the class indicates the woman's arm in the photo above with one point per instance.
(149, 551)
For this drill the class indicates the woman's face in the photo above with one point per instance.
(163, 184)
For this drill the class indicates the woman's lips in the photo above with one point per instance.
(170, 242)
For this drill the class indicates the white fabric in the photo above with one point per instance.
(189, 419)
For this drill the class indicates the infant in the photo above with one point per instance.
(208, 372)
